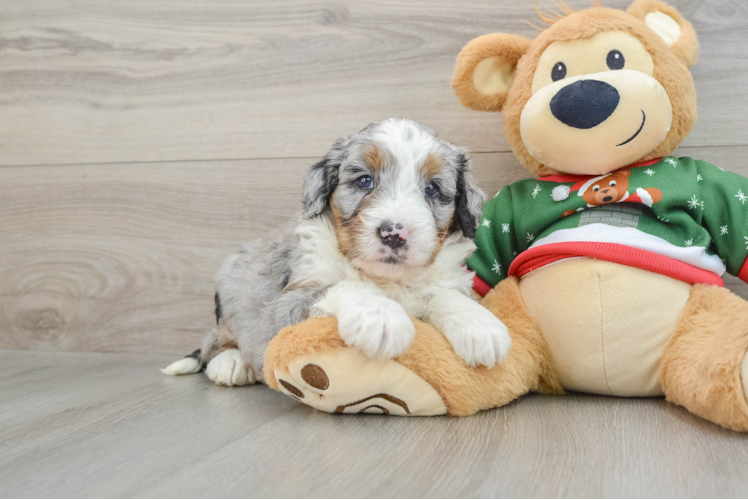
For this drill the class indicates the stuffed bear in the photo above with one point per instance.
(606, 267)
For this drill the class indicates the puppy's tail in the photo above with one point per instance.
(186, 366)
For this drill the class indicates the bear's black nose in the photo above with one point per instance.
(607, 199)
(585, 104)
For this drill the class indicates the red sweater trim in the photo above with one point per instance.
(480, 286)
(743, 274)
(537, 257)
(576, 178)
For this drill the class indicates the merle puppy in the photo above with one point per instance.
(388, 217)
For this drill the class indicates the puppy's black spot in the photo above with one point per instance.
(462, 162)
(219, 311)
(464, 219)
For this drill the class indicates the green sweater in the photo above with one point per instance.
(676, 216)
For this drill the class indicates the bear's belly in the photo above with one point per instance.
(606, 324)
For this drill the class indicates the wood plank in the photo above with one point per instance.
(97, 81)
(121, 258)
(106, 425)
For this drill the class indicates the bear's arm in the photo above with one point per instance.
(725, 215)
(495, 239)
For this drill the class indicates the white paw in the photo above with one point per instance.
(478, 337)
(378, 326)
(184, 366)
(228, 368)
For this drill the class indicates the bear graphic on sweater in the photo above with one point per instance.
(609, 188)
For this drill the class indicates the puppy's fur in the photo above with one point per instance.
(388, 217)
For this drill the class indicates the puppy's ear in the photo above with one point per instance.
(321, 180)
(485, 70)
(669, 24)
(469, 199)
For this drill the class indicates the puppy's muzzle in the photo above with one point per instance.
(393, 235)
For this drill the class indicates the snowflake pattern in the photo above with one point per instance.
(486, 223)
(649, 172)
(496, 267)
(746, 242)
(505, 228)
(695, 203)
(699, 178)
(536, 191)
(742, 197)
(672, 161)
(530, 237)
(497, 193)
(689, 242)
(723, 230)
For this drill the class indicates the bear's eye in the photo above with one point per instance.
(596, 188)
(559, 71)
(612, 183)
(615, 60)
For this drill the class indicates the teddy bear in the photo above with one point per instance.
(605, 266)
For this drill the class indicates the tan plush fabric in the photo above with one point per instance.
(344, 380)
(464, 390)
(506, 50)
(606, 324)
(468, 390)
(744, 373)
(670, 69)
(701, 365)
(686, 48)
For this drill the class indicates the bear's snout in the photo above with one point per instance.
(585, 103)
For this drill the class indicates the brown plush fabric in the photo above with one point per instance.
(509, 48)
(700, 367)
(687, 46)
(464, 390)
(670, 69)
(312, 335)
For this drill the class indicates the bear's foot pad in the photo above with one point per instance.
(345, 380)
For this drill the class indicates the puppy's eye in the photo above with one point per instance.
(559, 71)
(615, 60)
(596, 189)
(431, 190)
(613, 183)
(364, 182)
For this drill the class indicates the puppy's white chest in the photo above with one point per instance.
(413, 299)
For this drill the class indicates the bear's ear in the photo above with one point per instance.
(625, 173)
(485, 70)
(666, 21)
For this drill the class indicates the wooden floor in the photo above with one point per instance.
(141, 142)
(110, 425)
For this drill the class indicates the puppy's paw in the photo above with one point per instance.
(478, 337)
(378, 326)
(228, 368)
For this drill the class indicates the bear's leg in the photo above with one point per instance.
(310, 362)
(702, 363)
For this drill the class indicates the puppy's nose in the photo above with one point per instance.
(393, 235)
(585, 103)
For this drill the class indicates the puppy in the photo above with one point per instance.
(388, 217)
